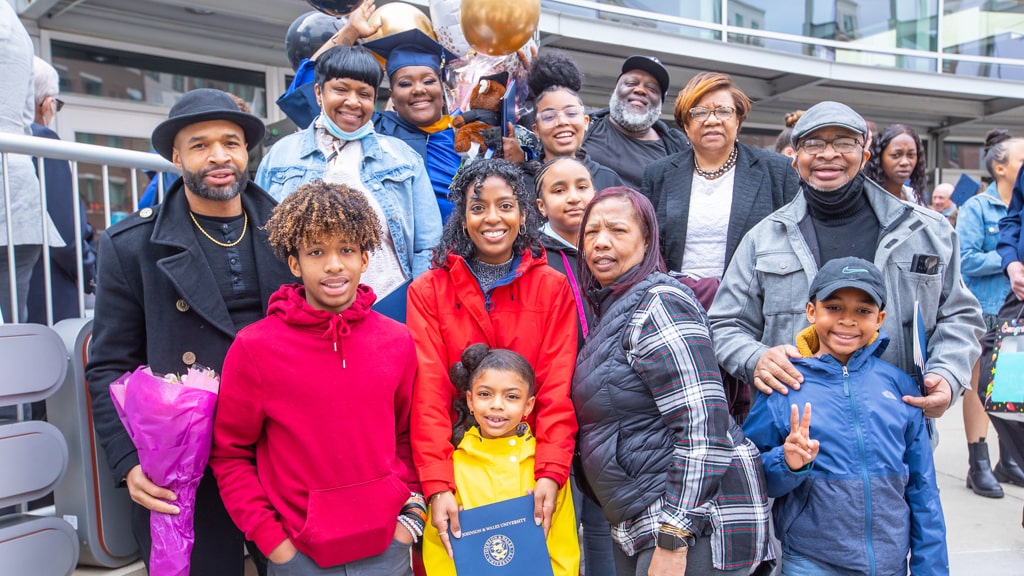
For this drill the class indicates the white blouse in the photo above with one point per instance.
(707, 226)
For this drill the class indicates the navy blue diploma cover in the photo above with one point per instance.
(501, 538)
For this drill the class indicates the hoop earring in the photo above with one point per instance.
(522, 229)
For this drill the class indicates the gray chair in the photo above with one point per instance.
(88, 496)
(33, 455)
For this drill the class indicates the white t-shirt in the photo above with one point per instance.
(384, 272)
(707, 226)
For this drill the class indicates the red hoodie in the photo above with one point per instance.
(311, 436)
(534, 315)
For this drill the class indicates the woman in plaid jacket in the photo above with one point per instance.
(680, 484)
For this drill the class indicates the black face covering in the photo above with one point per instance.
(836, 204)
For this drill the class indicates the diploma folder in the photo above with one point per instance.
(501, 538)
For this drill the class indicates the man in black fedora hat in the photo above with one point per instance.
(175, 283)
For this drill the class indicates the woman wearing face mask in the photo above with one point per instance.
(897, 158)
(560, 120)
(341, 146)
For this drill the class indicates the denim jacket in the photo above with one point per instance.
(763, 296)
(982, 267)
(390, 170)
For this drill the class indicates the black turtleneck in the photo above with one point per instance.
(842, 222)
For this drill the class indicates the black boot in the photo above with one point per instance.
(979, 475)
(1007, 469)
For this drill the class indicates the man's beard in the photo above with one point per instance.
(631, 121)
(195, 182)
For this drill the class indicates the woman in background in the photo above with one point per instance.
(897, 163)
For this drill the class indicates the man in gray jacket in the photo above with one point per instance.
(838, 212)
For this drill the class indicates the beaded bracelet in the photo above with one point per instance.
(414, 528)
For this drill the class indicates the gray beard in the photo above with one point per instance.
(195, 184)
(630, 121)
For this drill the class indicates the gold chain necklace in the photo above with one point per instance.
(245, 225)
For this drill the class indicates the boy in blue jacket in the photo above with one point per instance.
(860, 496)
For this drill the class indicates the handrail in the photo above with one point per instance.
(75, 153)
(725, 28)
(78, 152)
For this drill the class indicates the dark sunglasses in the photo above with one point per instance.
(58, 102)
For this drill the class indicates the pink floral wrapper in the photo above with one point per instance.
(170, 421)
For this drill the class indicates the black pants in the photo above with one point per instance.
(219, 545)
(1011, 432)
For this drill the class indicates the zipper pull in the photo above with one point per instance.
(846, 381)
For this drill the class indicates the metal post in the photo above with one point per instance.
(12, 277)
(79, 267)
(44, 214)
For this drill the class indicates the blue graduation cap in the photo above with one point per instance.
(964, 189)
(411, 48)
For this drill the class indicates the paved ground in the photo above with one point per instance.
(985, 536)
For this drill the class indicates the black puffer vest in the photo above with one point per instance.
(624, 445)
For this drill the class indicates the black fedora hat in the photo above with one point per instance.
(202, 105)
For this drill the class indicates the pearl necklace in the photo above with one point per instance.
(245, 226)
(714, 174)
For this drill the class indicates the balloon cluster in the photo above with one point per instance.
(485, 34)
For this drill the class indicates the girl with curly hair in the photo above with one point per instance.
(897, 163)
(490, 283)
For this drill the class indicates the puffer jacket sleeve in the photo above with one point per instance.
(431, 429)
(556, 418)
(1009, 225)
(668, 345)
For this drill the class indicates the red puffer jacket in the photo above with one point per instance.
(533, 313)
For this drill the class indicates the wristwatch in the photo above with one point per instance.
(671, 538)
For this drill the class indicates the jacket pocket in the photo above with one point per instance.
(784, 283)
(284, 181)
(923, 288)
(352, 522)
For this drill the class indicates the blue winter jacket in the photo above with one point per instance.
(870, 496)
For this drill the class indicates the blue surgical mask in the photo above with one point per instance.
(364, 130)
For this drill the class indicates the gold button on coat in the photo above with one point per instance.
(181, 305)
(189, 358)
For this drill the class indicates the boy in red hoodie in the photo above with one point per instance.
(311, 438)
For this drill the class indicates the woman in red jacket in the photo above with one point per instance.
(490, 283)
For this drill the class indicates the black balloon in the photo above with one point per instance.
(307, 34)
(335, 7)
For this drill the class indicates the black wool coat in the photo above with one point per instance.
(157, 303)
(764, 182)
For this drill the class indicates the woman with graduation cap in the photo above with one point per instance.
(415, 67)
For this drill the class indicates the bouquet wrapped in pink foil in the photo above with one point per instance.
(170, 421)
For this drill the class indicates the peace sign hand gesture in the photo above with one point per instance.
(799, 449)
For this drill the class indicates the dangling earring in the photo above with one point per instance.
(522, 229)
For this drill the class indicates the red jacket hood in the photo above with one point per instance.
(289, 304)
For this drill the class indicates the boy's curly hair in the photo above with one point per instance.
(476, 358)
(319, 211)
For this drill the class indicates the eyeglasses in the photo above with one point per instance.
(842, 145)
(58, 103)
(570, 113)
(701, 114)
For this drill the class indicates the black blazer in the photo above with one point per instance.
(157, 303)
(764, 182)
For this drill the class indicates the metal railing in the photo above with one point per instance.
(74, 153)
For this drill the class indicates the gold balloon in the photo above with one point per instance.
(499, 27)
(399, 17)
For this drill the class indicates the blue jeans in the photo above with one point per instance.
(794, 564)
(597, 540)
